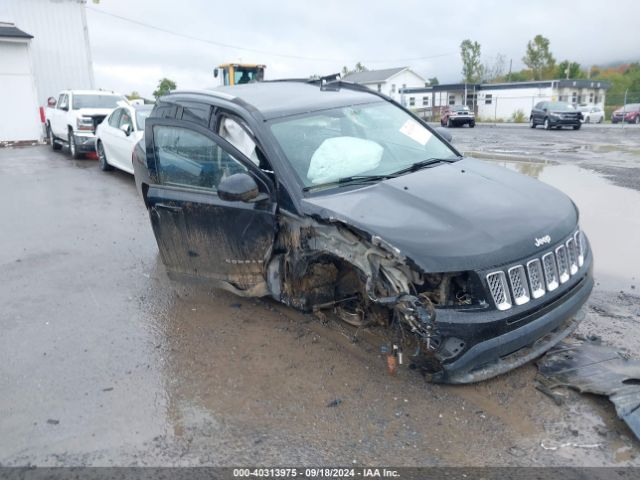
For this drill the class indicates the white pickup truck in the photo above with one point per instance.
(72, 119)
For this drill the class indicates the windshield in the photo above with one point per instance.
(141, 116)
(95, 101)
(561, 107)
(459, 108)
(371, 139)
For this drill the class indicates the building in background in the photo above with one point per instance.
(389, 81)
(19, 116)
(58, 57)
(503, 101)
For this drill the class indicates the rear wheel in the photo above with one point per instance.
(52, 139)
(637, 120)
(102, 158)
(547, 125)
(532, 124)
(73, 148)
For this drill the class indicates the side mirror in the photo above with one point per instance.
(239, 187)
(215, 73)
(444, 133)
(126, 128)
(51, 102)
(544, 109)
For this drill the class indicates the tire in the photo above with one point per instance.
(547, 125)
(601, 120)
(102, 158)
(587, 120)
(73, 148)
(472, 124)
(577, 127)
(449, 123)
(532, 124)
(52, 140)
(637, 120)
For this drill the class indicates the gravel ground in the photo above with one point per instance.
(104, 361)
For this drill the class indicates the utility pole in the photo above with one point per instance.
(510, 65)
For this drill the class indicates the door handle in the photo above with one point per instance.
(171, 208)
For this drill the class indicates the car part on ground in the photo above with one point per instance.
(591, 367)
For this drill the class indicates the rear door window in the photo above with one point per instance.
(186, 158)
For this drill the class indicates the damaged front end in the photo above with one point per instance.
(367, 283)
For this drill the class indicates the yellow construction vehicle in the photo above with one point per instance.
(238, 73)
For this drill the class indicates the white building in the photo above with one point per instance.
(389, 81)
(501, 101)
(19, 116)
(56, 57)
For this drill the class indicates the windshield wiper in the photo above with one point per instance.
(423, 164)
(353, 179)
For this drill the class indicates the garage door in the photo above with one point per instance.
(19, 115)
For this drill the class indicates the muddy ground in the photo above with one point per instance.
(104, 361)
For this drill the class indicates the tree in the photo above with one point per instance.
(494, 72)
(539, 58)
(433, 81)
(359, 67)
(471, 66)
(134, 95)
(165, 85)
(567, 69)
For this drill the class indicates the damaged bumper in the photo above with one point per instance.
(499, 354)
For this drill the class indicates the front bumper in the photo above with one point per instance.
(85, 141)
(462, 120)
(564, 121)
(539, 330)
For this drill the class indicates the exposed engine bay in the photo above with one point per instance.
(365, 282)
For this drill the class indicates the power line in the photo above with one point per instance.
(254, 50)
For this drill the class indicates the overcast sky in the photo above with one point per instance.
(300, 38)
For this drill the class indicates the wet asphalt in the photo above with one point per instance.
(104, 361)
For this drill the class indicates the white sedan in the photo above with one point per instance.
(591, 114)
(118, 134)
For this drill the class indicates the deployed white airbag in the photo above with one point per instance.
(339, 157)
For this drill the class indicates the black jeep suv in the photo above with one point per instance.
(330, 197)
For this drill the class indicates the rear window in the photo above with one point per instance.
(95, 101)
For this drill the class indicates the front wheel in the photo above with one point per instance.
(472, 124)
(102, 158)
(73, 148)
(637, 120)
(449, 123)
(547, 125)
(532, 124)
(577, 127)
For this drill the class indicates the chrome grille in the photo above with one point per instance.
(580, 246)
(563, 263)
(521, 283)
(534, 269)
(519, 287)
(572, 255)
(499, 290)
(550, 271)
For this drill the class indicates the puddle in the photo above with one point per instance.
(608, 214)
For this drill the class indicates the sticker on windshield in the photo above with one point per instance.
(416, 132)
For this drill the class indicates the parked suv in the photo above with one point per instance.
(333, 198)
(629, 113)
(457, 116)
(72, 119)
(555, 115)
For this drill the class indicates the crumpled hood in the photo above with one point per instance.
(468, 215)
